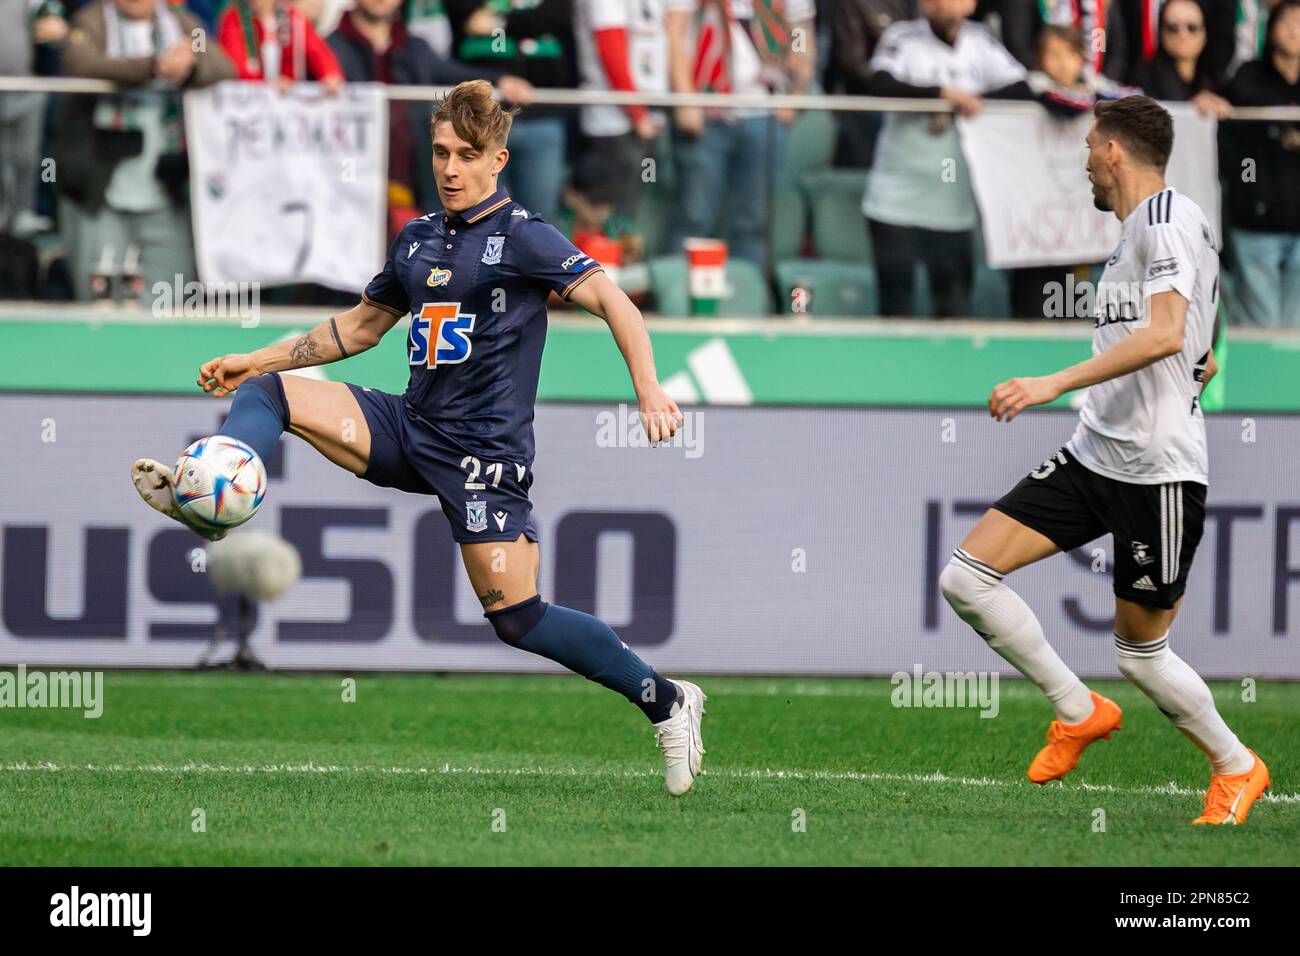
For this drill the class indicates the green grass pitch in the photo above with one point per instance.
(553, 770)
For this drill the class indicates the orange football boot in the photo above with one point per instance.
(1065, 742)
(1229, 798)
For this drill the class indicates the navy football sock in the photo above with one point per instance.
(586, 646)
(259, 414)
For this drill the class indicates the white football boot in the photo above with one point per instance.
(154, 481)
(679, 738)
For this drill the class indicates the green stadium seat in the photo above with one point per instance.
(749, 297)
(836, 288)
(839, 228)
(788, 223)
(810, 146)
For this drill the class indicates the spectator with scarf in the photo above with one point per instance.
(122, 172)
(735, 46)
(273, 38)
(1263, 198)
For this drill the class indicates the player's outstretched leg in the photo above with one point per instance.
(973, 584)
(588, 646)
(1238, 776)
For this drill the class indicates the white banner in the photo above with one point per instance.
(1030, 176)
(288, 187)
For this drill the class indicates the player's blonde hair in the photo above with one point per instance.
(476, 117)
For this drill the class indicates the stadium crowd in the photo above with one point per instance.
(121, 186)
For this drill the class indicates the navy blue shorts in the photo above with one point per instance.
(484, 499)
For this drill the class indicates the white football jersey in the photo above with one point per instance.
(1147, 427)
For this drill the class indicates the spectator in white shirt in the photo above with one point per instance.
(919, 203)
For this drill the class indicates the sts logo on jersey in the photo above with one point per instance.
(440, 335)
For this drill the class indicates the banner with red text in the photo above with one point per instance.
(1029, 171)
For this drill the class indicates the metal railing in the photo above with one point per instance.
(573, 97)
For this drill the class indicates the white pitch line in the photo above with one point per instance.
(1170, 789)
(866, 688)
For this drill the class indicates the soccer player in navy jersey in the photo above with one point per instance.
(475, 278)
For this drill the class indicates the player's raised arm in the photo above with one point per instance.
(354, 331)
(1160, 338)
(600, 296)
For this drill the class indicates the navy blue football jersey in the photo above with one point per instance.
(476, 284)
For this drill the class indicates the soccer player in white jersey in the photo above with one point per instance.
(1136, 467)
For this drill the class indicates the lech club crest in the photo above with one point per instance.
(492, 251)
(476, 515)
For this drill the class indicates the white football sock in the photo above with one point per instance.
(1006, 623)
(1184, 698)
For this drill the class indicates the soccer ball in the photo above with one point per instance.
(220, 482)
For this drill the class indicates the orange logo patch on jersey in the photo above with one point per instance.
(438, 277)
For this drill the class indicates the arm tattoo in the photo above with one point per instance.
(305, 351)
(490, 597)
(338, 340)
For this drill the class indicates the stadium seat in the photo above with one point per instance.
(836, 288)
(749, 296)
(788, 224)
(842, 279)
(839, 229)
(809, 148)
